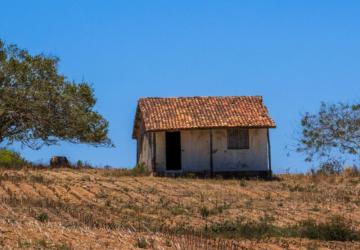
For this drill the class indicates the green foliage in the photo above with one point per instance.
(38, 178)
(218, 209)
(23, 244)
(244, 229)
(79, 164)
(42, 243)
(9, 158)
(177, 209)
(39, 106)
(43, 217)
(335, 228)
(63, 246)
(204, 211)
(140, 170)
(331, 167)
(242, 183)
(332, 132)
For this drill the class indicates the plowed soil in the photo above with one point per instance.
(102, 209)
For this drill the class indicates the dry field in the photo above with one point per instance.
(103, 209)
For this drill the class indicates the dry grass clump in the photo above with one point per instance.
(53, 208)
(351, 172)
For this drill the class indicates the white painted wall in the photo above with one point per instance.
(160, 152)
(195, 145)
(253, 159)
(145, 156)
(195, 150)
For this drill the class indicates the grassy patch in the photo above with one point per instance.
(335, 229)
(38, 178)
(140, 170)
(242, 229)
(43, 217)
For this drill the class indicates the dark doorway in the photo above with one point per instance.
(173, 151)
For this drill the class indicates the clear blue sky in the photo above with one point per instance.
(294, 53)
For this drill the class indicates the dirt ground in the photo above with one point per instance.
(103, 209)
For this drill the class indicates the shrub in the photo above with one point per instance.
(43, 217)
(63, 246)
(242, 183)
(177, 209)
(9, 158)
(24, 244)
(42, 243)
(101, 194)
(141, 242)
(168, 243)
(204, 211)
(37, 178)
(352, 171)
(140, 170)
(117, 172)
(79, 164)
(336, 228)
(190, 175)
(244, 229)
(331, 167)
(108, 203)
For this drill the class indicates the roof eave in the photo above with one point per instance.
(214, 127)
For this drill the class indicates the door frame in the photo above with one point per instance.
(166, 153)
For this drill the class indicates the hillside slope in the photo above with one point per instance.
(97, 209)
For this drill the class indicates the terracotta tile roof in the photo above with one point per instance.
(202, 112)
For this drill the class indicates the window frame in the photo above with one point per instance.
(231, 132)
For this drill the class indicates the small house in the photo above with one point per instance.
(204, 135)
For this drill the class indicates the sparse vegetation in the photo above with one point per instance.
(37, 178)
(9, 158)
(141, 242)
(204, 211)
(43, 217)
(140, 170)
(335, 228)
(242, 183)
(331, 135)
(176, 211)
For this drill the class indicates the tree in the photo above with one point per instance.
(331, 133)
(39, 106)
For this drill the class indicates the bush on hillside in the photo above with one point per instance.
(336, 228)
(331, 167)
(351, 171)
(140, 170)
(9, 158)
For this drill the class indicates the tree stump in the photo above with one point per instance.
(59, 161)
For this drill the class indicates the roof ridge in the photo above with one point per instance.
(184, 97)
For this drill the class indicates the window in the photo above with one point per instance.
(238, 138)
